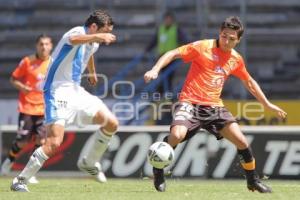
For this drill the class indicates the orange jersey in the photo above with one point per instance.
(31, 72)
(209, 70)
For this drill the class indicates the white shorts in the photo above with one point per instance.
(71, 105)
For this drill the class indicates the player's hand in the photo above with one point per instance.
(281, 113)
(26, 89)
(150, 75)
(106, 38)
(93, 80)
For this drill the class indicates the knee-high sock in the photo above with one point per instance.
(248, 162)
(94, 148)
(34, 164)
(15, 149)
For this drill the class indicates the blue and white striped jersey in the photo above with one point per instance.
(69, 61)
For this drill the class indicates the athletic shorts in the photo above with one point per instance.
(29, 125)
(71, 105)
(194, 117)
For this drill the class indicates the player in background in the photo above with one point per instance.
(200, 106)
(168, 36)
(69, 103)
(27, 78)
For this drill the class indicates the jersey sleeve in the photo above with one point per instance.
(189, 52)
(74, 31)
(95, 47)
(241, 71)
(20, 71)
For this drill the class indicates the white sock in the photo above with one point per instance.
(34, 164)
(94, 148)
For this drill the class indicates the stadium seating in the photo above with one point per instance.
(272, 35)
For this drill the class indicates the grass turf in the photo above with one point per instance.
(137, 189)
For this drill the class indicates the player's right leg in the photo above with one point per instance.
(55, 135)
(40, 138)
(183, 127)
(178, 133)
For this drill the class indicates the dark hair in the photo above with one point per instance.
(99, 17)
(233, 22)
(42, 36)
(169, 13)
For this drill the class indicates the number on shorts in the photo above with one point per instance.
(187, 107)
(185, 112)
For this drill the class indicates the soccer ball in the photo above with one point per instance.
(160, 155)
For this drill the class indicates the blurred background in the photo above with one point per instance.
(270, 47)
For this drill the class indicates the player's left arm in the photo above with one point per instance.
(92, 78)
(253, 87)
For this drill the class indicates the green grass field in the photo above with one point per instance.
(137, 189)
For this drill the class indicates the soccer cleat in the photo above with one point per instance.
(95, 170)
(19, 185)
(159, 180)
(33, 180)
(100, 177)
(259, 186)
(6, 167)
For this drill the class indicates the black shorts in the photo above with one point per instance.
(31, 124)
(194, 117)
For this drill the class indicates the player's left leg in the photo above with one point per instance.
(16, 147)
(55, 134)
(97, 144)
(232, 132)
(23, 137)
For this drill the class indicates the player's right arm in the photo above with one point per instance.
(19, 85)
(161, 63)
(106, 38)
(18, 74)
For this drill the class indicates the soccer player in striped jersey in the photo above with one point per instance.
(68, 103)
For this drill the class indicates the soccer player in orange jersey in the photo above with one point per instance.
(200, 106)
(27, 78)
